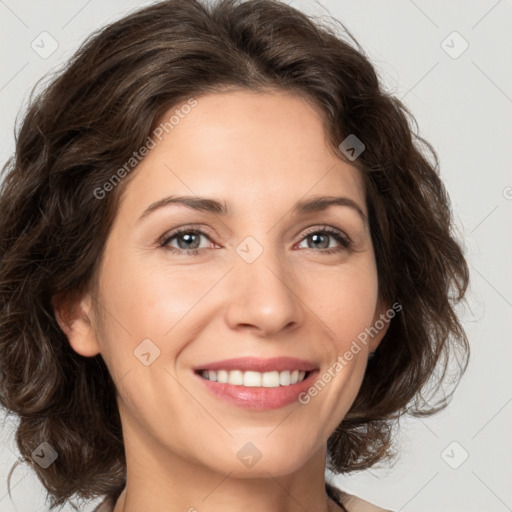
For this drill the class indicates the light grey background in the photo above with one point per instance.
(463, 106)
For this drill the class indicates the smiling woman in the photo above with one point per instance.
(261, 295)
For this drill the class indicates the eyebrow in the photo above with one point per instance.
(217, 207)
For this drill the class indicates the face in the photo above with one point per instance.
(264, 280)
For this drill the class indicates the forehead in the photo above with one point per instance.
(250, 148)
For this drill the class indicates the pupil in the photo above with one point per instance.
(187, 237)
(315, 240)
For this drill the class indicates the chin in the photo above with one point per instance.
(248, 461)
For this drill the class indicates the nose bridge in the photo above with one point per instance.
(264, 294)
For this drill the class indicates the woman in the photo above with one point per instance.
(225, 265)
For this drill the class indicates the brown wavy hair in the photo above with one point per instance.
(102, 106)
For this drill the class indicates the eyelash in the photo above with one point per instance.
(339, 236)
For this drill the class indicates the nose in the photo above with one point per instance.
(265, 296)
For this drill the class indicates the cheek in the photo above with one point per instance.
(142, 298)
(157, 302)
(345, 299)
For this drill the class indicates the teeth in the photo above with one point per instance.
(255, 379)
(284, 378)
(252, 379)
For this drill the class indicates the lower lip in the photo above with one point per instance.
(259, 398)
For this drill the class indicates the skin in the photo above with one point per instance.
(261, 153)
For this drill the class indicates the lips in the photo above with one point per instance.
(253, 396)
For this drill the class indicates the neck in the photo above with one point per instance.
(323, 504)
(176, 484)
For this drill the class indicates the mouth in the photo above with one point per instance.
(257, 384)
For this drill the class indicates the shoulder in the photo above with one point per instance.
(107, 505)
(352, 503)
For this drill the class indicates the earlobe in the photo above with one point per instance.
(74, 317)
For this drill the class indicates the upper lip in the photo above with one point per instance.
(257, 364)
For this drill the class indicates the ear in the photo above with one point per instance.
(381, 320)
(75, 317)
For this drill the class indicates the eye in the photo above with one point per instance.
(188, 241)
(320, 239)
